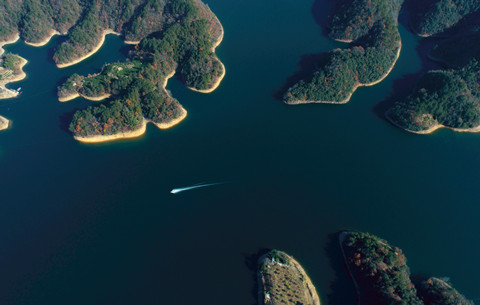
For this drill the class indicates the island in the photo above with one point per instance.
(381, 275)
(282, 280)
(441, 99)
(171, 37)
(432, 17)
(448, 97)
(184, 44)
(372, 28)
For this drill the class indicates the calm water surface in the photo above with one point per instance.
(96, 224)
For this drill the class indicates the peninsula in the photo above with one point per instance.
(449, 97)
(441, 99)
(184, 44)
(282, 280)
(10, 71)
(372, 27)
(381, 275)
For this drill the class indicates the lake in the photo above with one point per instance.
(96, 224)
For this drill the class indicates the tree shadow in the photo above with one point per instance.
(321, 13)
(65, 119)
(309, 63)
(402, 87)
(342, 288)
(307, 66)
(251, 261)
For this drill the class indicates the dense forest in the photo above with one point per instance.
(446, 97)
(449, 97)
(84, 22)
(372, 26)
(383, 277)
(183, 44)
(430, 17)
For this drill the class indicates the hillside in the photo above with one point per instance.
(443, 98)
(282, 280)
(381, 275)
(184, 44)
(372, 28)
(430, 17)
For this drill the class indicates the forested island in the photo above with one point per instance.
(372, 28)
(431, 17)
(378, 270)
(185, 36)
(170, 36)
(450, 97)
(282, 280)
(381, 275)
(443, 98)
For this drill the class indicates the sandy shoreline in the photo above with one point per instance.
(433, 128)
(215, 84)
(16, 78)
(134, 133)
(347, 99)
(124, 135)
(43, 41)
(95, 50)
(173, 122)
(75, 95)
(224, 70)
(131, 42)
(3, 43)
(4, 123)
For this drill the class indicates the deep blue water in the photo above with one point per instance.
(96, 224)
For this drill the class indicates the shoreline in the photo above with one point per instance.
(123, 135)
(341, 239)
(134, 42)
(131, 134)
(433, 128)
(16, 78)
(219, 79)
(43, 41)
(355, 87)
(76, 95)
(95, 50)
(4, 43)
(173, 122)
(4, 123)
(216, 84)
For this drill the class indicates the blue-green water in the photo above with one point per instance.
(96, 224)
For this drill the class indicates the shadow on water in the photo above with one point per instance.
(65, 119)
(342, 289)
(251, 261)
(402, 87)
(321, 13)
(308, 64)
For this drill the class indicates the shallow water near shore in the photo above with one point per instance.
(97, 224)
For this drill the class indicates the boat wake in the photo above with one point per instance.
(196, 186)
